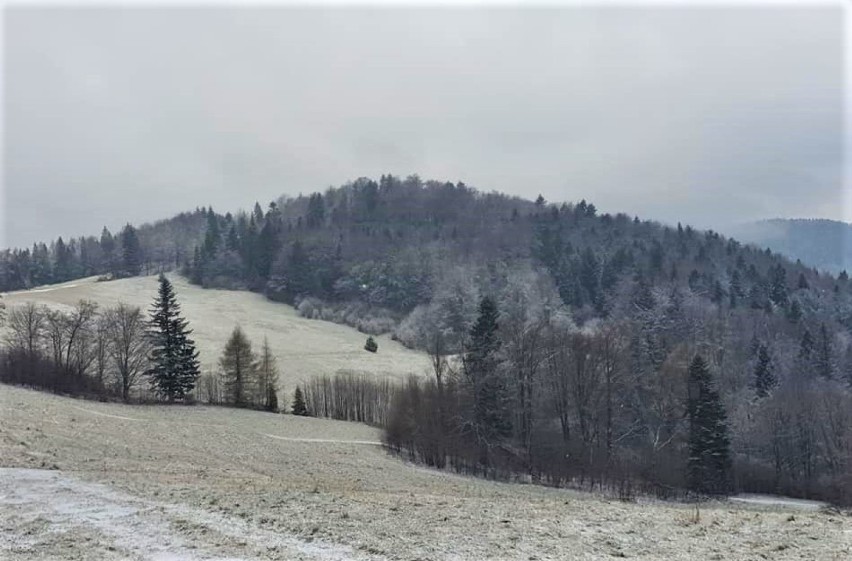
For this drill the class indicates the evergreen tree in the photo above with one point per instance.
(61, 261)
(299, 408)
(764, 378)
(824, 358)
(491, 417)
(131, 252)
(778, 285)
(371, 345)
(212, 236)
(268, 243)
(735, 288)
(316, 211)
(708, 464)
(108, 261)
(271, 399)
(239, 369)
(174, 359)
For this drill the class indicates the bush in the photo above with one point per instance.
(371, 345)
(361, 316)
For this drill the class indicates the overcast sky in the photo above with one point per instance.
(707, 116)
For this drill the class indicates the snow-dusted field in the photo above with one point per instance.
(91, 480)
(305, 348)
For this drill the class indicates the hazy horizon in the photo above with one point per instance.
(707, 116)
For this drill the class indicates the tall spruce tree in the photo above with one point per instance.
(175, 366)
(778, 285)
(299, 407)
(824, 359)
(709, 461)
(491, 416)
(131, 252)
(764, 378)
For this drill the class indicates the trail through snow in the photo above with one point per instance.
(141, 528)
(772, 500)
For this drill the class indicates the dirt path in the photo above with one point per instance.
(129, 527)
(325, 440)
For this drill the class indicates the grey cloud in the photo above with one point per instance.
(709, 116)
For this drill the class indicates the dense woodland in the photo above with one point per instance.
(568, 345)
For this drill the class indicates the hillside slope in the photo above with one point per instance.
(305, 348)
(159, 482)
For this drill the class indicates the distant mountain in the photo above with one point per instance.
(824, 244)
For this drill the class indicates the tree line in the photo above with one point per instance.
(132, 251)
(105, 353)
(120, 352)
(664, 394)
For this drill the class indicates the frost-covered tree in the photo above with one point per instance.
(299, 408)
(824, 356)
(490, 419)
(764, 378)
(371, 345)
(175, 367)
(131, 252)
(709, 460)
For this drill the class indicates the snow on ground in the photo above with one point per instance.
(214, 483)
(773, 500)
(305, 348)
(130, 526)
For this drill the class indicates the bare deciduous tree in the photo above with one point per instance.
(127, 345)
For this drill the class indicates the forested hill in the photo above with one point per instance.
(394, 244)
(824, 244)
(582, 326)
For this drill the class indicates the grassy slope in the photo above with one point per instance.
(305, 348)
(224, 463)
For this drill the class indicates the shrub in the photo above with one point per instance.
(371, 345)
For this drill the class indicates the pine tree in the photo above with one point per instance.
(824, 359)
(316, 211)
(708, 464)
(239, 369)
(271, 400)
(212, 235)
(108, 264)
(735, 288)
(371, 345)
(491, 418)
(174, 358)
(778, 285)
(764, 378)
(131, 252)
(299, 407)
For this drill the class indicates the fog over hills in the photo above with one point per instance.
(820, 243)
